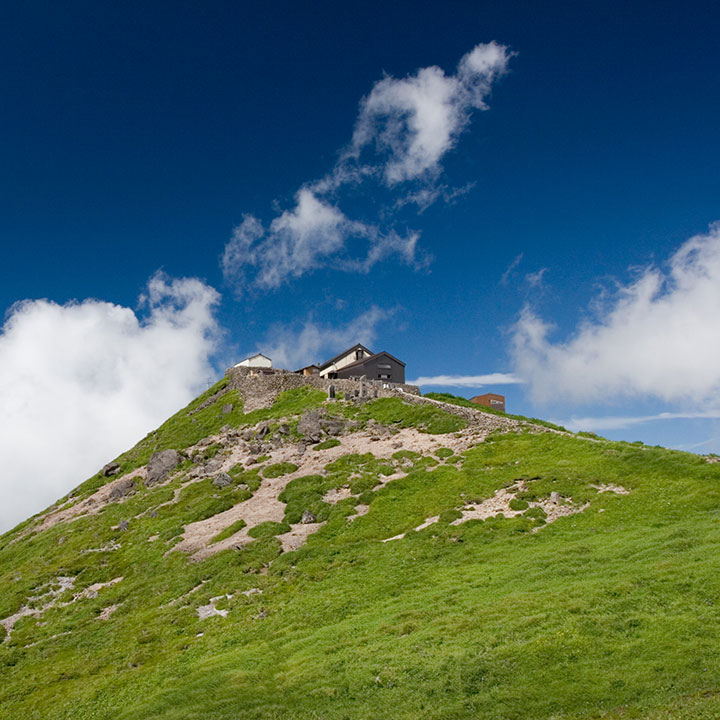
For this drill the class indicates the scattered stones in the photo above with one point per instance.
(107, 612)
(335, 495)
(209, 610)
(609, 487)
(160, 466)
(360, 510)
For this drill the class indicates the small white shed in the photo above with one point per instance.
(259, 360)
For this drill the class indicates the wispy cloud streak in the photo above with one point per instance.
(473, 381)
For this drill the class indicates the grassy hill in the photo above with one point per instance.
(327, 559)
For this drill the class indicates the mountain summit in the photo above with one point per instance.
(296, 547)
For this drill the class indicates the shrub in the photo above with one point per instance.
(268, 529)
(326, 444)
(279, 469)
(518, 504)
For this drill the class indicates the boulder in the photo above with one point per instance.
(227, 409)
(555, 498)
(121, 489)
(110, 469)
(307, 518)
(222, 480)
(310, 425)
(160, 466)
(262, 431)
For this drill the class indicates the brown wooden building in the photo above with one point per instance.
(491, 400)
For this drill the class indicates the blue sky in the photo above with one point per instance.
(581, 157)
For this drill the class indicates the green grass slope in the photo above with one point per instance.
(613, 612)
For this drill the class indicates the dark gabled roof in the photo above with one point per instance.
(358, 363)
(359, 346)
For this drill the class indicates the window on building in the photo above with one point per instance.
(384, 367)
(383, 376)
(358, 354)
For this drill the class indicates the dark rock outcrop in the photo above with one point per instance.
(160, 466)
(121, 489)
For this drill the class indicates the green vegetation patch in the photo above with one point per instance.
(426, 418)
(229, 531)
(279, 469)
(610, 614)
(327, 444)
(268, 529)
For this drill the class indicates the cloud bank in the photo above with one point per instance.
(405, 127)
(659, 338)
(81, 382)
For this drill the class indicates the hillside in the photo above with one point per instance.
(396, 557)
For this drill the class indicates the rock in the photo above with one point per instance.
(153, 513)
(247, 435)
(251, 461)
(222, 480)
(262, 431)
(123, 525)
(243, 486)
(310, 426)
(121, 489)
(160, 466)
(333, 426)
(227, 409)
(555, 498)
(307, 518)
(212, 466)
(255, 449)
(110, 469)
(283, 429)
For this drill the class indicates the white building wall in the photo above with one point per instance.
(256, 361)
(343, 361)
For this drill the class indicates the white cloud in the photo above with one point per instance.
(623, 422)
(310, 236)
(472, 381)
(292, 347)
(404, 129)
(414, 121)
(659, 338)
(81, 382)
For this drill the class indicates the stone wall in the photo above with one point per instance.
(259, 389)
